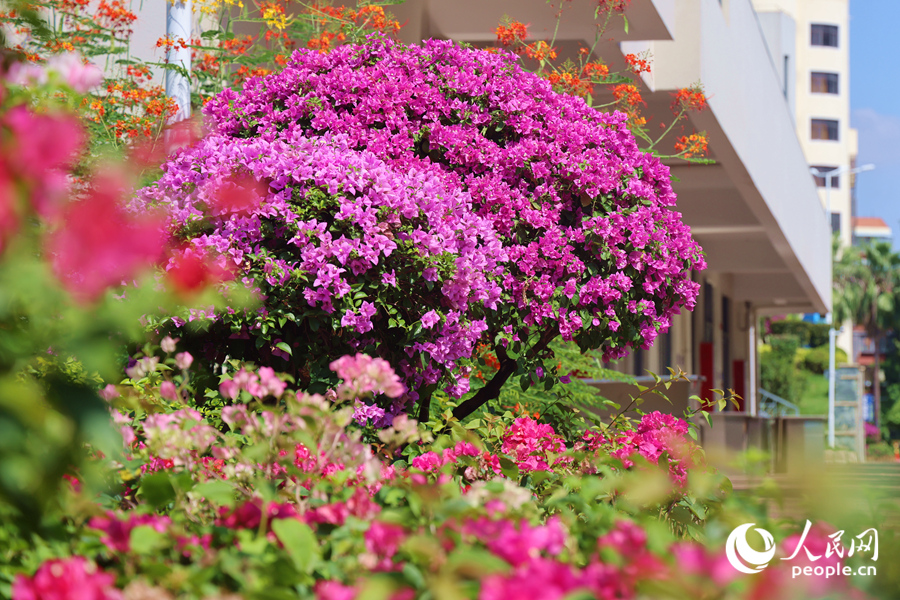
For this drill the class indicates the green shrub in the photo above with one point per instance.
(816, 359)
(778, 375)
(880, 450)
(812, 335)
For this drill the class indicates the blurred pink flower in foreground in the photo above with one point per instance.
(98, 245)
(363, 374)
(71, 579)
(39, 153)
(71, 68)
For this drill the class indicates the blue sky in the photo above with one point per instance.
(875, 106)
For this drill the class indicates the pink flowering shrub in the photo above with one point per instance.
(418, 200)
(287, 500)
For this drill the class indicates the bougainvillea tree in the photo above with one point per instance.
(413, 201)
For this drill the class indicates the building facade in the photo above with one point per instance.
(818, 83)
(817, 78)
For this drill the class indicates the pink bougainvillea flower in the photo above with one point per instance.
(184, 360)
(9, 220)
(363, 374)
(117, 531)
(153, 152)
(69, 66)
(529, 443)
(191, 270)
(40, 150)
(66, 579)
(168, 390)
(81, 76)
(236, 195)
(334, 590)
(693, 559)
(97, 244)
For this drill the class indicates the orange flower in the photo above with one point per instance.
(169, 43)
(207, 63)
(374, 17)
(628, 94)
(114, 15)
(238, 45)
(243, 74)
(59, 45)
(570, 83)
(321, 43)
(694, 145)
(540, 50)
(138, 72)
(636, 64)
(512, 34)
(691, 98)
(595, 70)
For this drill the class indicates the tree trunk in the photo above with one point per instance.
(876, 382)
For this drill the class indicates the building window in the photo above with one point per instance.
(824, 129)
(824, 35)
(820, 181)
(824, 83)
(836, 223)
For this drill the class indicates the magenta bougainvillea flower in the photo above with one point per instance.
(422, 199)
(66, 579)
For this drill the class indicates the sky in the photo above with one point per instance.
(875, 107)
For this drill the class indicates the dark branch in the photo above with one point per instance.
(491, 390)
(507, 368)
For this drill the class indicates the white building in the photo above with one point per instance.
(816, 66)
(818, 76)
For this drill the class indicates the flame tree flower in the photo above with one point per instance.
(413, 180)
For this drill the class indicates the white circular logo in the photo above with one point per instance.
(740, 554)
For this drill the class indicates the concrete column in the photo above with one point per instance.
(178, 86)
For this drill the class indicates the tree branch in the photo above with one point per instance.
(507, 368)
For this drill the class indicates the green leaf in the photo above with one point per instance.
(284, 347)
(625, 19)
(299, 542)
(509, 468)
(157, 489)
(216, 492)
(475, 563)
(414, 575)
(146, 540)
